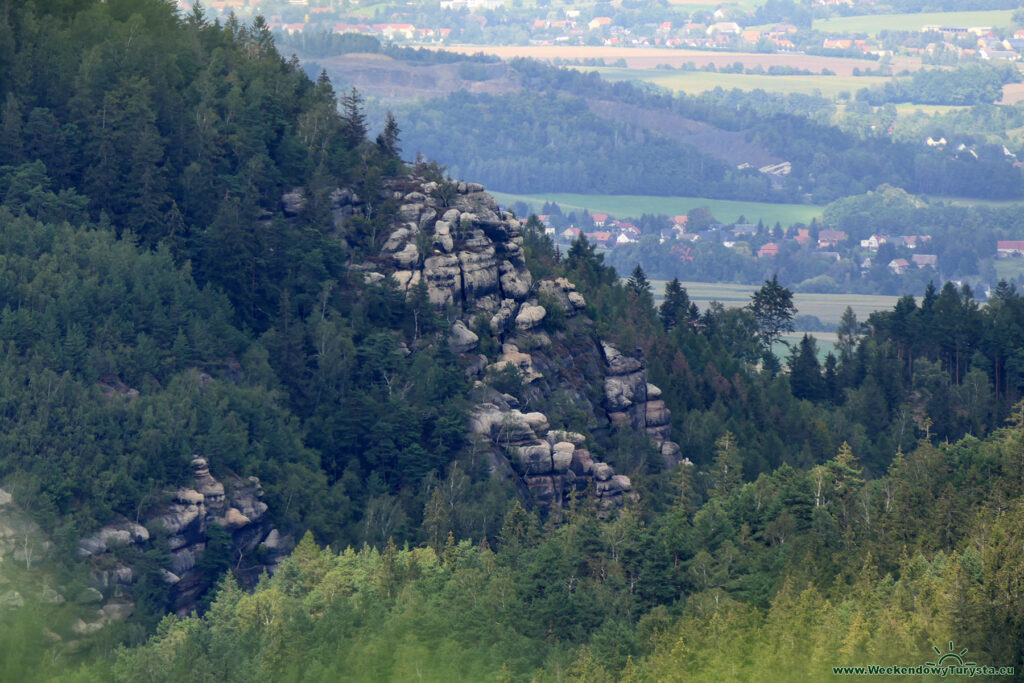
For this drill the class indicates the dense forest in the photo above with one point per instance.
(185, 269)
(556, 135)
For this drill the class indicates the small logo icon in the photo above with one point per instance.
(950, 658)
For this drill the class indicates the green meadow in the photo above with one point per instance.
(621, 206)
(826, 307)
(874, 23)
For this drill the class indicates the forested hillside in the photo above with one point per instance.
(561, 130)
(358, 422)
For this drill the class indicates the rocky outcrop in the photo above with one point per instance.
(183, 520)
(551, 463)
(470, 255)
(632, 401)
(474, 257)
(461, 339)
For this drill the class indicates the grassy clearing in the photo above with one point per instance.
(621, 206)
(873, 24)
(826, 307)
(826, 343)
(907, 109)
(695, 82)
(1009, 268)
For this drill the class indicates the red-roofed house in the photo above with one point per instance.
(598, 22)
(571, 233)
(830, 238)
(925, 260)
(803, 236)
(899, 266)
(600, 237)
(770, 249)
(1006, 248)
(599, 219)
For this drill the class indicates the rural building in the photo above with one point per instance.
(1007, 248)
(925, 260)
(770, 249)
(899, 266)
(830, 238)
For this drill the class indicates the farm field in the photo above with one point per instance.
(1009, 268)
(826, 307)
(650, 57)
(909, 109)
(695, 82)
(826, 342)
(873, 24)
(725, 210)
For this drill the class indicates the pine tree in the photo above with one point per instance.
(772, 306)
(727, 471)
(387, 141)
(638, 284)
(353, 119)
(805, 371)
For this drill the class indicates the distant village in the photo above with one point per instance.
(758, 241)
(725, 28)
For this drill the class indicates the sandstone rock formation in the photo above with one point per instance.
(631, 401)
(183, 518)
(552, 463)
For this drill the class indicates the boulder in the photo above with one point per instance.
(653, 392)
(293, 202)
(602, 471)
(534, 458)
(620, 392)
(233, 520)
(113, 611)
(444, 279)
(273, 541)
(410, 212)
(479, 272)
(397, 239)
(538, 422)
(461, 339)
(123, 532)
(177, 518)
(515, 284)
(574, 438)
(501, 319)
(561, 456)
(529, 317)
(619, 364)
(657, 414)
(427, 217)
(407, 257)
(582, 464)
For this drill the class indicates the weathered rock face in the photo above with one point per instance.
(461, 339)
(631, 401)
(474, 258)
(551, 463)
(184, 519)
(470, 255)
